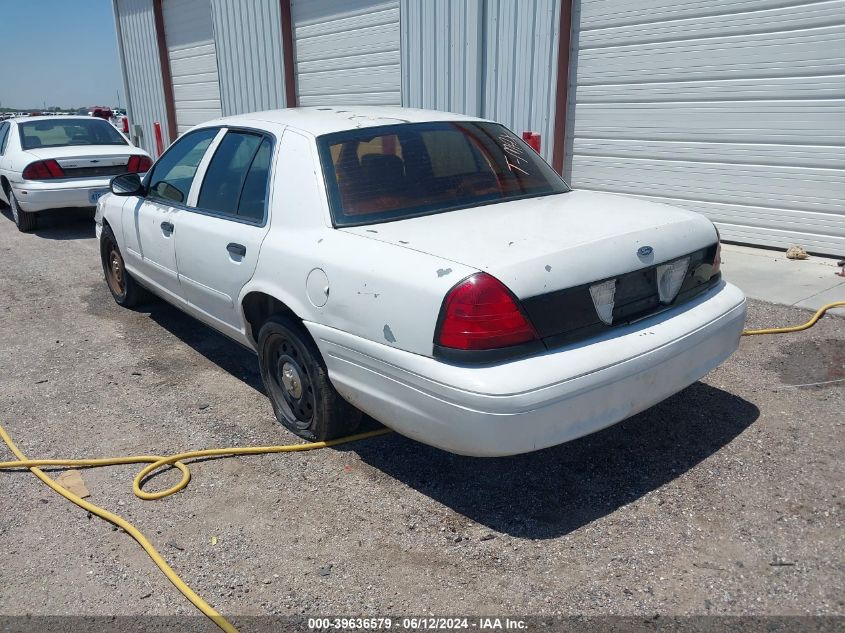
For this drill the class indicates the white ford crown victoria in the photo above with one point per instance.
(426, 268)
(53, 162)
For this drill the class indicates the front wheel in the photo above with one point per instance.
(297, 382)
(122, 285)
(24, 221)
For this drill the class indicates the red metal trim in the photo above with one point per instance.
(533, 139)
(287, 54)
(166, 77)
(562, 93)
(158, 139)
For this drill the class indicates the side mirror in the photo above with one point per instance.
(127, 185)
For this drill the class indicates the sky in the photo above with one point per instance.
(63, 52)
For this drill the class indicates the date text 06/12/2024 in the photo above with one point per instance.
(416, 624)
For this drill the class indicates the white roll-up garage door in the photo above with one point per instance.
(734, 109)
(189, 34)
(347, 51)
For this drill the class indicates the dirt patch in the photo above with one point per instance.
(817, 363)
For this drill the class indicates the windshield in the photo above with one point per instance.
(62, 132)
(394, 172)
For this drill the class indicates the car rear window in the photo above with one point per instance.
(393, 172)
(64, 132)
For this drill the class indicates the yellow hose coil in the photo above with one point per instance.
(154, 462)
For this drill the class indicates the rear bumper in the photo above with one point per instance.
(40, 196)
(529, 404)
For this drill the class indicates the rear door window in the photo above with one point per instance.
(235, 182)
(4, 133)
(253, 200)
(171, 177)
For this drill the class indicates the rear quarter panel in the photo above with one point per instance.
(375, 291)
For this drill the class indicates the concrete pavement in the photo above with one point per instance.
(769, 276)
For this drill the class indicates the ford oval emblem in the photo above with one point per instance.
(644, 251)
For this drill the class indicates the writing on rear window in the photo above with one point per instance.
(514, 155)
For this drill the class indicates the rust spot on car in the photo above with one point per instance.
(548, 268)
(442, 272)
(388, 335)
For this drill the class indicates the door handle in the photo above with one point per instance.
(167, 227)
(239, 250)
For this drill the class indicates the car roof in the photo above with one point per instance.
(53, 117)
(319, 120)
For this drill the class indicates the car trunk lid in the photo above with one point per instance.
(542, 245)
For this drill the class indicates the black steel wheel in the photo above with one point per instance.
(297, 383)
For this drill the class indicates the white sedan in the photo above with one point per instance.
(426, 268)
(52, 162)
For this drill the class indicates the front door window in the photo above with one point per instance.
(171, 177)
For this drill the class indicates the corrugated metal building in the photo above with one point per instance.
(735, 108)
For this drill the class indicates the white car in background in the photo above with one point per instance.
(427, 268)
(52, 162)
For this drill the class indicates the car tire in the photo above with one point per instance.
(25, 222)
(123, 287)
(297, 383)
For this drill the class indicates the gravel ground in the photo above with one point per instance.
(725, 499)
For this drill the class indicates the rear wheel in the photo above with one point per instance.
(24, 221)
(122, 285)
(297, 382)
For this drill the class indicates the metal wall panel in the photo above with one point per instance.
(347, 51)
(733, 109)
(189, 32)
(248, 38)
(442, 55)
(137, 39)
(491, 58)
(521, 65)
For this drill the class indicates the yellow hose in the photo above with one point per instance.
(797, 328)
(154, 462)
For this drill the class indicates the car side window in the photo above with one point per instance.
(236, 169)
(171, 177)
(4, 133)
(254, 193)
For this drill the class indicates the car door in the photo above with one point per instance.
(218, 239)
(150, 223)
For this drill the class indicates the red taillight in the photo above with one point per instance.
(43, 170)
(480, 313)
(126, 125)
(138, 164)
